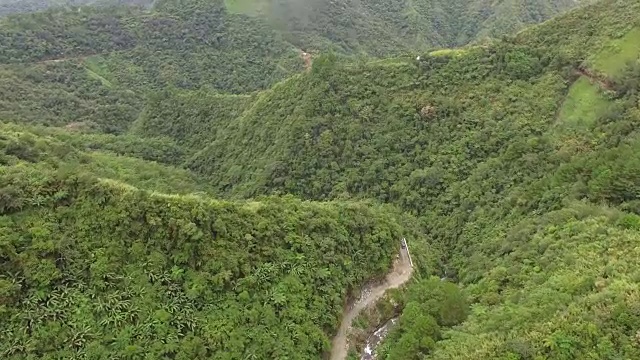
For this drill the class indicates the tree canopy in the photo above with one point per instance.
(165, 195)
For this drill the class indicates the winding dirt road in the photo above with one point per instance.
(401, 273)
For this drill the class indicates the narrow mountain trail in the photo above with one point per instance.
(401, 273)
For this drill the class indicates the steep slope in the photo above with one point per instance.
(432, 120)
(93, 267)
(374, 26)
(95, 65)
(387, 27)
(8, 7)
(119, 42)
(65, 94)
(518, 156)
(401, 274)
(191, 118)
(121, 159)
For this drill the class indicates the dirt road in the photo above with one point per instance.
(401, 273)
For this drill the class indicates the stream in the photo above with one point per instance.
(400, 274)
(369, 352)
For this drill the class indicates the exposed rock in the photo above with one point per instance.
(428, 112)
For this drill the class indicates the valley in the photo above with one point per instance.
(231, 179)
(400, 274)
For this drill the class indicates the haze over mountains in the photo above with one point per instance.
(382, 27)
(8, 7)
(376, 27)
(176, 184)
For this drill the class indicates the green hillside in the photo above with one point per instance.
(171, 277)
(386, 27)
(132, 160)
(9, 7)
(166, 194)
(93, 65)
(518, 157)
(191, 118)
(373, 127)
(96, 268)
(64, 94)
(356, 25)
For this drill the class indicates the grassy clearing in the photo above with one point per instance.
(97, 70)
(391, 62)
(613, 59)
(144, 174)
(104, 81)
(583, 104)
(448, 52)
(249, 7)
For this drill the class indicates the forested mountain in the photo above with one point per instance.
(94, 65)
(517, 156)
(138, 50)
(174, 186)
(21, 6)
(374, 26)
(382, 27)
(8, 7)
(94, 268)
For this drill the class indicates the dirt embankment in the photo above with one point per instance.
(400, 274)
(308, 61)
(604, 82)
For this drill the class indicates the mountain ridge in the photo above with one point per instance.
(510, 164)
(495, 149)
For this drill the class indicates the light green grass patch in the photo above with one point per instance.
(104, 81)
(96, 69)
(615, 56)
(248, 7)
(390, 62)
(584, 103)
(143, 174)
(448, 52)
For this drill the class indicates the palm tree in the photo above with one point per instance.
(279, 299)
(324, 273)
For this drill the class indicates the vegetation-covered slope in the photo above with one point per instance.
(385, 27)
(98, 269)
(191, 118)
(65, 94)
(8, 7)
(130, 159)
(518, 157)
(376, 27)
(378, 126)
(93, 65)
